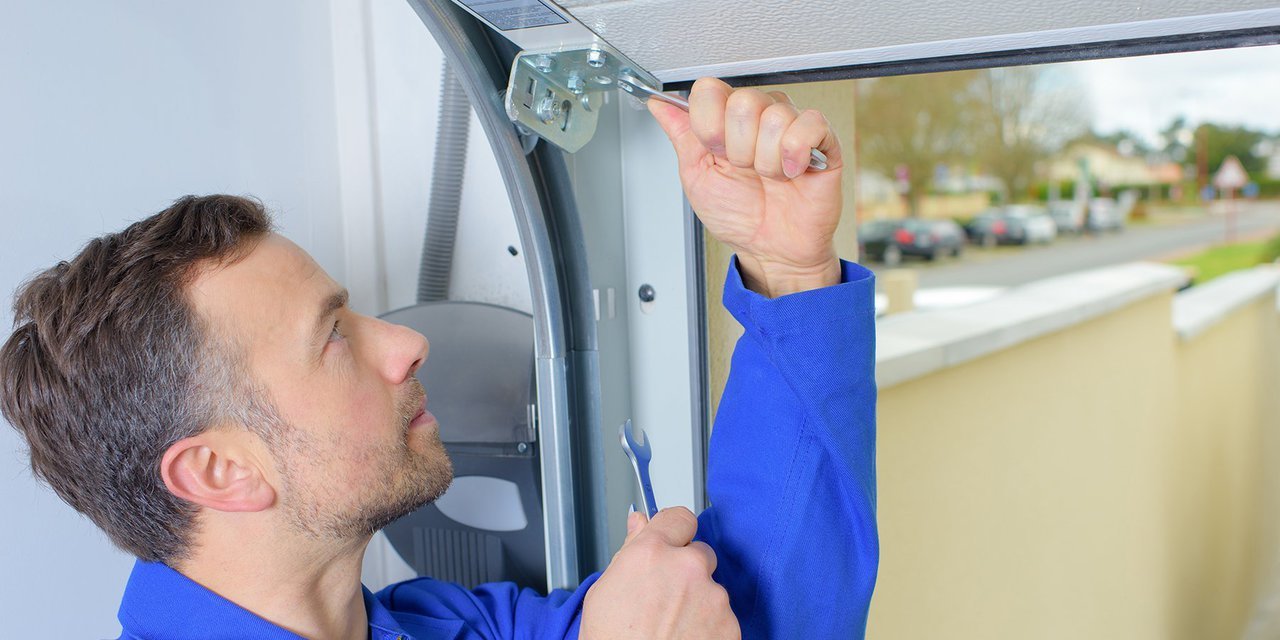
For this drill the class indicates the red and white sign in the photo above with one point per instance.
(1231, 175)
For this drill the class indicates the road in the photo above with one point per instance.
(1173, 235)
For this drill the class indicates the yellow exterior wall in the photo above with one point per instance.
(1107, 481)
(1019, 493)
(960, 205)
(1223, 457)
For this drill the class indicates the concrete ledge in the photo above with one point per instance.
(1203, 306)
(911, 345)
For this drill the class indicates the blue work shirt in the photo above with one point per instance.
(790, 477)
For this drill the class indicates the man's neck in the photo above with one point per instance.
(310, 587)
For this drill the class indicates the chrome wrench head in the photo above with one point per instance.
(636, 445)
(643, 92)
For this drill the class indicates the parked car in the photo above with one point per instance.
(1104, 215)
(1017, 224)
(986, 228)
(889, 241)
(1068, 215)
(1039, 227)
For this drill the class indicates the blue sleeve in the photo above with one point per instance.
(499, 610)
(791, 471)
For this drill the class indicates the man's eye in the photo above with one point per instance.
(336, 333)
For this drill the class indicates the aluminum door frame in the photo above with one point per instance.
(565, 350)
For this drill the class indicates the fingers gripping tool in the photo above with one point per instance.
(633, 86)
(637, 447)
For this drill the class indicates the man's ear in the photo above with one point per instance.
(217, 469)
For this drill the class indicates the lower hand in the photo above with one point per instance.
(743, 156)
(659, 586)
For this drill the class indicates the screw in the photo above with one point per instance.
(543, 63)
(596, 58)
(575, 83)
(647, 294)
(522, 447)
(549, 109)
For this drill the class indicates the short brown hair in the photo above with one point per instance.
(109, 365)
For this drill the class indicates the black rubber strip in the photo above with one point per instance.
(1180, 43)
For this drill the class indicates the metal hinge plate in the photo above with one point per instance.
(558, 94)
(558, 83)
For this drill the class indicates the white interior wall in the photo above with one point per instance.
(110, 111)
(406, 66)
(326, 112)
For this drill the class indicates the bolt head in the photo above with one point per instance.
(548, 109)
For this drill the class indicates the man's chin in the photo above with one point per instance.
(426, 491)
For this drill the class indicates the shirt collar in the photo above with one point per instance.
(159, 602)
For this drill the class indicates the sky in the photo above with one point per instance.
(1143, 94)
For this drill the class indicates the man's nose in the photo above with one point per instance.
(406, 351)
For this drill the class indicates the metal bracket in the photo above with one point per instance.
(559, 78)
(557, 94)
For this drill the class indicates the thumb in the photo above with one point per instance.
(635, 523)
(675, 123)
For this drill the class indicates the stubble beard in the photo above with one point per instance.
(410, 478)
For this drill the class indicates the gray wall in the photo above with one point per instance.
(111, 110)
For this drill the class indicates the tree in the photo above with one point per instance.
(1184, 143)
(1177, 140)
(917, 121)
(1008, 120)
(1025, 114)
(1220, 141)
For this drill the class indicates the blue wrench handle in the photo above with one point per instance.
(646, 487)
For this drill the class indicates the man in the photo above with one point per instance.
(197, 386)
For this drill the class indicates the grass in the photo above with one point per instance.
(1220, 260)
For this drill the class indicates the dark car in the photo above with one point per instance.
(988, 228)
(1019, 224)
(889, 241)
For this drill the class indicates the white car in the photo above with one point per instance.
(1104, 215)
(1038, 226)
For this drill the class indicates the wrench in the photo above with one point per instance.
(637, 447)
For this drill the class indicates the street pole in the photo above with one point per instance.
(1202, 158)
(1231, 216)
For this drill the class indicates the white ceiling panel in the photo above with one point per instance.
(683, 39)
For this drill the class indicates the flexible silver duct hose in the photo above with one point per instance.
(446, 190)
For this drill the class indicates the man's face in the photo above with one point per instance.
(356, 448)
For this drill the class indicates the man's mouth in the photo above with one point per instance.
(422, 417)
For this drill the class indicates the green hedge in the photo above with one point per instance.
(1267, 188)
(1271, 250)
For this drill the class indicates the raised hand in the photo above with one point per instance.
(659, 585)
(743, 156)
